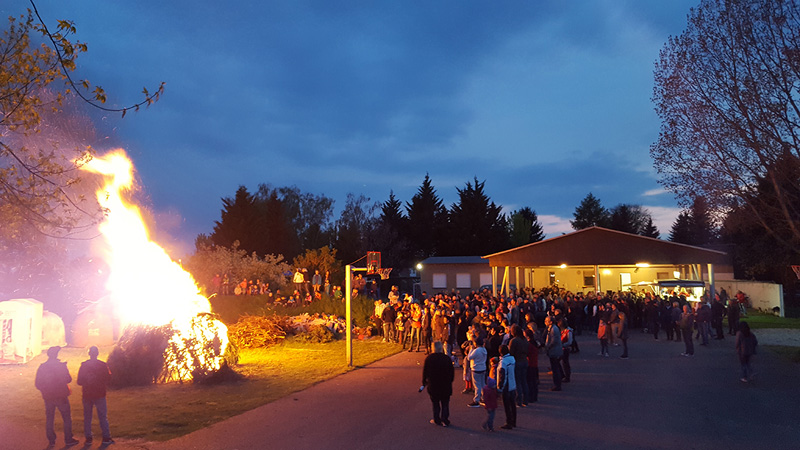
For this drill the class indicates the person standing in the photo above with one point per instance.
(477, 361)
(506, 384)
(52, 380)
(316, 282)
(623, 334)
(746, 344)
(437, 376)
(554, 351)
(299, 281)
(519, 350)
(93, 377)
(686, 325)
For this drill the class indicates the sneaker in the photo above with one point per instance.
(71, 442)
(445, 423)
(108, 441)
(555, 388)
(474, 405)
(623, 357)
(506, 427)
(600, 354)
(684, 354)
(607, 355)
(465, 391)
(433, 422)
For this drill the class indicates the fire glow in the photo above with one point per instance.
(145, 285)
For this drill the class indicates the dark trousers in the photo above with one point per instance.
(566, 367)
(533, 385)
(555, 367)
(441, 409)
(624, 348)
(670, 330)
(687, 339)
(510, 405)
(521, 375)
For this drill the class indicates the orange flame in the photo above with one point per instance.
(146, 286)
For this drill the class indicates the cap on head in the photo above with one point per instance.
(52, 352)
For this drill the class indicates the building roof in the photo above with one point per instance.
(455, 260)
(601, 246)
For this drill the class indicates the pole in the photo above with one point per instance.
(348, 317)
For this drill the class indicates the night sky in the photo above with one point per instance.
(545, 101)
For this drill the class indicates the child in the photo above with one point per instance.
(489, 394)
(602, 334)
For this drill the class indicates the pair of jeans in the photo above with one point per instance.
(50, 406)
(489, 424)
(478, 381)
(687, 340)
(102, 417)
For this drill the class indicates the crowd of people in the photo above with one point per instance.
(497, 341)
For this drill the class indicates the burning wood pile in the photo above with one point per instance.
(170, 333)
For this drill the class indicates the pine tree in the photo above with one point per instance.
(240, 221)
(590, 213)
(524, 227)
(427, 220)
(477, 225)
(681, 231)
(650, 229)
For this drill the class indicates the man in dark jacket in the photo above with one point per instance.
(94, 377)
(438, 375)
(388, 317)
(52, 379)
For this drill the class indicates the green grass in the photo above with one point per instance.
(162, 412)
(763, 320)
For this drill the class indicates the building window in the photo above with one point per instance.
(486, 279)
(552, 278)
(662, 276)
(463, 281)
(440, 281)
(588, 280)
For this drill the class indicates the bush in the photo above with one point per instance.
(259, 331)
(138, 357)
(316, 334)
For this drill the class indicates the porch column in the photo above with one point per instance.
(596, 279)
(494, 281)
(711, 282)
(516, 279)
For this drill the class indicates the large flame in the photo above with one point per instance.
(146, 286)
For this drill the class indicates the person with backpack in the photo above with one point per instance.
(746, 344)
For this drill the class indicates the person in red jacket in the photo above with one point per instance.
(52, 379)
(94, 377)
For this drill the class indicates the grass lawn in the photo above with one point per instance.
(763, 320)
(162, 412)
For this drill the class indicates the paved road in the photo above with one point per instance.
(657, 399)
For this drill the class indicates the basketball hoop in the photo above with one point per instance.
(796, 271)
(373, 262)
(384, 273)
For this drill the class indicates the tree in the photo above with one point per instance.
(632, 219)
(726, 91)
(477, 225)
(524, 227)
(36, 175)
(308, 214)
(322, 259)
(694, 227)
(681, 231)
(590, 213)
(240, 221)
(650, 230)
(238, 264)
(355, 227)
(427, 220)
(390, 235)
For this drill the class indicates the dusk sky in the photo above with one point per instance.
(545, 101)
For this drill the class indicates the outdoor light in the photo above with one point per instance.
(419, 266)
(642, 265)
(676, 274)
(563, 266)
(606, 272)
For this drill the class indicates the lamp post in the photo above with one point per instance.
(348, 286)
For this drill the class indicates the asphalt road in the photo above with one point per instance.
(657, 399)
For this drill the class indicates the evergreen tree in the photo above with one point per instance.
(703, 229)
(524, 227)
(590, 213)
(389, 237)
(477, 225)
(427, 220)
(650, 229)
(682, 229)
(240, 221)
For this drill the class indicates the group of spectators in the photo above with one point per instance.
(478, 332)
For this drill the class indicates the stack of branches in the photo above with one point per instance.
(159, 354)
(260, 331)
